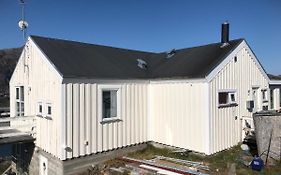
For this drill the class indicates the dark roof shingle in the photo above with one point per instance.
(81, 60)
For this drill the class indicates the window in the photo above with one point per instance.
(264, 95)
(49, 109)
(271, 99)
(227, 98)
(20, 101)
(40, 108)
(109, 102)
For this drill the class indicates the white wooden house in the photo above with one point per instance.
(89, 98)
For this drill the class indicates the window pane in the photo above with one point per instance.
(106, 104)
(17, 93)
(17, 108)
(113, 104)
(271, 99)
(40, 108)
(232, 97)
(21, 93)
(49, 110)
(223, 97)
(22, 107)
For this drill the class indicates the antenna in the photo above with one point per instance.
(22, 23)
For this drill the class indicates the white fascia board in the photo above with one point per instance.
(46, 58)
(242, 45)
(192, 80)
(275, 82)
(102, 81)
(147, 81)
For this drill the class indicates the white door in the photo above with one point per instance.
(43, 164)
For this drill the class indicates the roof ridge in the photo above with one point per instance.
(193, 47)
(80, 42)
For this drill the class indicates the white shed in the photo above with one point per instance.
(89, 98)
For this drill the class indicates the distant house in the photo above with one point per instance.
(275, 92)
(89, 98)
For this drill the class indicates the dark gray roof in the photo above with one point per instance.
(82, 60)
(274, 77)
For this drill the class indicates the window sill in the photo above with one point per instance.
(110, 120)
(228, 105)
(47, 117)
(265, 101)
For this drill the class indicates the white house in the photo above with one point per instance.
(89, 98)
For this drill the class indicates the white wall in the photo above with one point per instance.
(241, 76)
(276, 96)
(41, 82)
(179, 115)
(81, 123)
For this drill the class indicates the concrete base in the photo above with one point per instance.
(53, 165)
(43, 163)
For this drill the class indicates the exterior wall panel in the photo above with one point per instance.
(41, 83)
(226, 129)
(84, 138)
(179, 114)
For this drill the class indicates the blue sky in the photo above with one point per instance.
(150, 25)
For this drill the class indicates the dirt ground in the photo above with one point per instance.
(231, 161)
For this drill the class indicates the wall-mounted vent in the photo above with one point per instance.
(171, 53)
(142, 64)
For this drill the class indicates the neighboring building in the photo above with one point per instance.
(275, 92)
(89, 98)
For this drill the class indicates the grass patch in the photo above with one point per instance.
(218, 163)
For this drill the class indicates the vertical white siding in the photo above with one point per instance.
(178, 115)
(84, 126)
(242, 75)
(41, 83)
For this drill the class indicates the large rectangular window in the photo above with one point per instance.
(19, 101)
(109, 102)
(227, 98)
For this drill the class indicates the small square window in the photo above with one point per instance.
(235, 59)
(223, 96)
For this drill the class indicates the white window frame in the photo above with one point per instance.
(102, 88)
(19, 100)
(47, 110)
(229, 100)
(38, 112)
